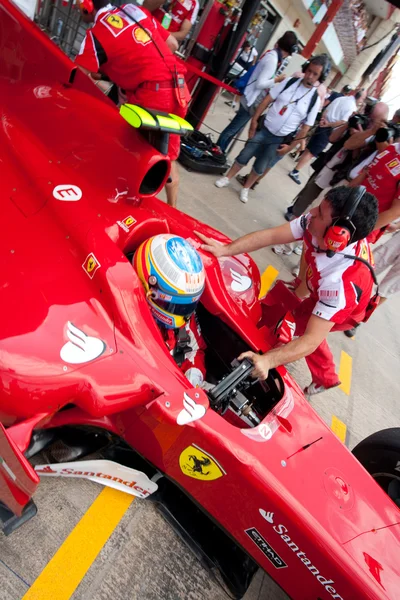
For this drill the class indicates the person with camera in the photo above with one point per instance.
(344, 159)
(333, 235)
(335, 115)
(294, 105)
(261, 79)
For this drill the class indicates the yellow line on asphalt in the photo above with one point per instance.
(267, 279)
(62, 575)
(339, 428)
(345, 372)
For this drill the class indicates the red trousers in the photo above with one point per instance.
(320, 362)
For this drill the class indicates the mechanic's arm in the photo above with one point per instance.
(301, 135)
(314, 335)
(250, 242)
(172, 43)
(259, 111)
(387, 216)
(95, 76)
(184, 30)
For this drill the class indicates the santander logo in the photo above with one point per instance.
(240, 283)
(80, 348)
(191, 411)
(283, 531)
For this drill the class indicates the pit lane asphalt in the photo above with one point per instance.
(143, 558)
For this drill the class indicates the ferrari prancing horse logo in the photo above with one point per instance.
(196, 463)
(115, 21)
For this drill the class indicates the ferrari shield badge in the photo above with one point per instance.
(196, 463)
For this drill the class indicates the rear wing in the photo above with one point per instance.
(18, 483)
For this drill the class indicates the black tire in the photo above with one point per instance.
(379, 454)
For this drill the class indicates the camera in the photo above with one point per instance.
(358, 119)
(391, 131)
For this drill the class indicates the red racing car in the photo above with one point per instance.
(245, 470)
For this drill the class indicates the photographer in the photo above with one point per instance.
(345, 159)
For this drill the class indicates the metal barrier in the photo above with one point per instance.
(61, 20)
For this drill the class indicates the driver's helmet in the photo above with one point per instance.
(172, 273)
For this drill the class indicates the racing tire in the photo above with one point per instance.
(379, 454)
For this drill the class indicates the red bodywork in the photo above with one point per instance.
(332, 526)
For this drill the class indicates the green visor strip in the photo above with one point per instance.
(156, 120)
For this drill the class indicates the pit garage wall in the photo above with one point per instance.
(290, 11)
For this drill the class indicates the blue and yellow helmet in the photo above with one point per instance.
(172, 273)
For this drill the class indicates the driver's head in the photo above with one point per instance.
(331, 208)
(173, 276)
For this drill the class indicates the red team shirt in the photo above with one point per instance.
(340, 287)
(123, 50)
(120, 49)
(383, 178)
(180, 11)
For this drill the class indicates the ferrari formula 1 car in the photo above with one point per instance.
(246, 471)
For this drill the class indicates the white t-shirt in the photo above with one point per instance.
(262, 78)
(247, 56)
(340, 109)
(297, 98)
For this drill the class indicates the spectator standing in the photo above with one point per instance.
(294, 102)
(335, 115)
(348, 150)
(261, 80)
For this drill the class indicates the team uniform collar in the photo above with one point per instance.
(103, 10)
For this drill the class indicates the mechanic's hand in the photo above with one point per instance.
(260, 362)
(212, 246)
(283, 149)
(253, 129)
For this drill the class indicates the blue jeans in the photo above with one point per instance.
(238, 122)
(263, 146)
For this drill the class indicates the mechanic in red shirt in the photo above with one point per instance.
(339, 287)
(382, 178)
(177, 16)
(128, 46)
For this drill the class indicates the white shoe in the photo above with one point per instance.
(298, 249)
(282, 249)
(244, 195)
(313, 389)
(295, 271)
(222, 182)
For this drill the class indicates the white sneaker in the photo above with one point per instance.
(282, 249)
(222, 182)
(313, 389)
(244, 195)
(298, 249)
(295, 271)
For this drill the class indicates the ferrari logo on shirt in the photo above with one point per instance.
(115, 21)
(394, 166)
(196, 463)
(141, 36)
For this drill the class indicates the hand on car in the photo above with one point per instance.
(212, 246)
(261, 364)
(283, 149)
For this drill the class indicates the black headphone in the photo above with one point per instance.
(326, 67)
(340, 233)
